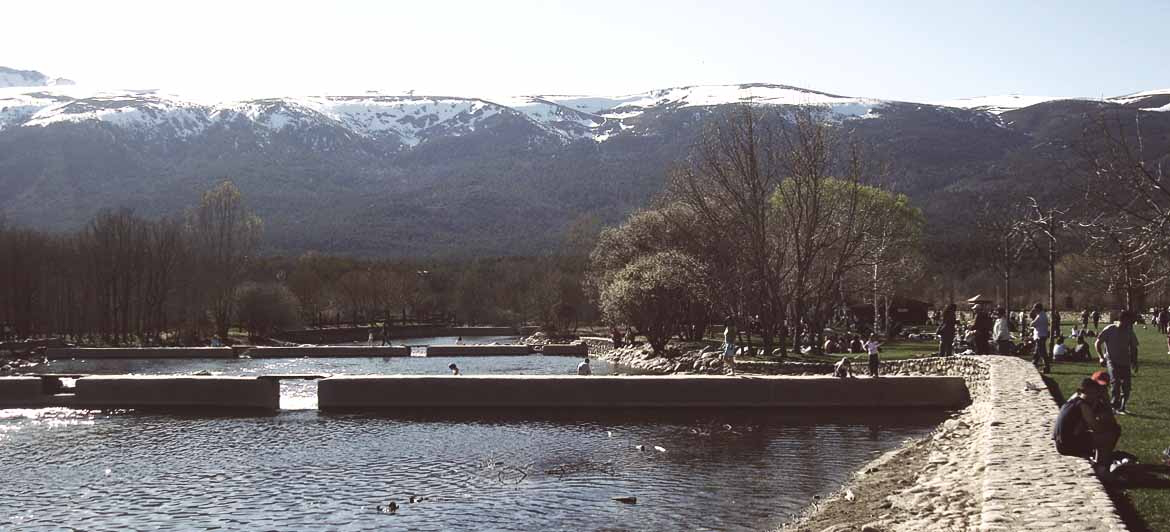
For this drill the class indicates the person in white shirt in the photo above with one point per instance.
(583, 368)
(1040, 334)
(873, 347)
(1059, 351)
(1002, 332)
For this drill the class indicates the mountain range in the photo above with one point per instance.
(394, 175)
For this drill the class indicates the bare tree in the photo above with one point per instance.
(224, 235)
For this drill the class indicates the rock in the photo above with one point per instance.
(872, 527)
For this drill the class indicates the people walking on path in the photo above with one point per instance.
(1117, 348)
(1040, 332)
(873, 347)
(729, 334)
(386, 332)
(946, 331)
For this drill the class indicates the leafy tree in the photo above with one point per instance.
(652, 292)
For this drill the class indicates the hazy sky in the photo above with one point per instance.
(927, 50)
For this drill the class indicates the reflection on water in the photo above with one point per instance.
(551, 470)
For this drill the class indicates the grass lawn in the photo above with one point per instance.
(1145, 432)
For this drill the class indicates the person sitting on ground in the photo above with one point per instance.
(616, 335)
(843, 369)
(855, 346)
(1085, 426)
(583, 368)
(1081, 351)
(1059, 350)
(454, 369)
(831, 345)
(873, 347)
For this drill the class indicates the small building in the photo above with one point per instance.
(903, 311)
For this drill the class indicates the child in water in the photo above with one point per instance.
(454, 369)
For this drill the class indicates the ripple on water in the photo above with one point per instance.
(301, 470)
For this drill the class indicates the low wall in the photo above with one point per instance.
(146, 391)
(633, 392)
(477, 350)
(23, 391)
(328, 352)
(361, 334)
(138, 352)
(579, 350)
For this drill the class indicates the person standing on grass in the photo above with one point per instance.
(946, 332)
(1117, 347)
(1003, 332)
(729, 334)
(873, 347)
(1041, 356)
(1096, 320)
(1085, 319)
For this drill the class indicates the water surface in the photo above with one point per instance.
(537, 470)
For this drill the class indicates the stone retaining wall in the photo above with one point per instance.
(543, 391)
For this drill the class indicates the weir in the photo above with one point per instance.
(515, 391)
(537, 391)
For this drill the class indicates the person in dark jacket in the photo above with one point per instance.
(982, 326)
(946, 331)
(1085, 426)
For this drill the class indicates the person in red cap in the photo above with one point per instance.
(1085, 426)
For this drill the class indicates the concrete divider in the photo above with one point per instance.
(639, 391)
(138, 352)
(328, 352)
(23, 391)
(162, 391)
(579, 350)
(477, 350)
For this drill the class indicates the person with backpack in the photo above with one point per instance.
(1085, 426)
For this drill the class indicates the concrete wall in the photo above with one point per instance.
(139, 352)
(579, 350)
(361, 334)
(23, 391)
(477, 350)
(147, 391)
(328, 352)
(642, 391)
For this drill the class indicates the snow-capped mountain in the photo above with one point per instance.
(386, 174)
(11, 77)
(408, 120)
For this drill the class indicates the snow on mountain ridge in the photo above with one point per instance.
(11, 77)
